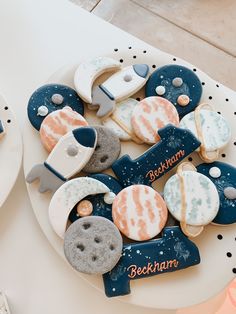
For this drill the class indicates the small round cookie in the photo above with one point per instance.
(49, 98)
(210, 128)
(152, 114)
(200, 198)
(178, 84)
(120, 120)
(106, 152)
(57, 124)
(223, 176)
(139, 212)
(93, 245)
(99, 201)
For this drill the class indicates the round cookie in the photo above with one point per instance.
(93, 245)
(210, 128)
(57, 124)
(172, 81)
(152, 114)
(120, 120)
(200, 195)
(98, 201)
(139, 212)
(106, 152)
(224, 177)
(49, 98)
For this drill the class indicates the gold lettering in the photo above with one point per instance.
(133, 269)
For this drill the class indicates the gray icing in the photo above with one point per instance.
(57, 99)
(230, 193)
(105, 102)
(72, 150)
(141, 69)
(177, 81)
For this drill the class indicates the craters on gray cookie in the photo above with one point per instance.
(93, 245)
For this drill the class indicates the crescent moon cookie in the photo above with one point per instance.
(49, 98)
(152, 114)
(212, 130)
(101, 204)
(223, 176)
(106, 152)
(57, 124)
(88, 71)
(120, 120)
(93, 245)
(67, 196)
(139, 212)
(178, 84)
(191, 198)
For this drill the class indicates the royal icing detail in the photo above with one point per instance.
(225, 185)
(175, 144)
(61, 166)
(152, 114)
(215, 172)
(139, 212)
(57, 124)
(172, 252)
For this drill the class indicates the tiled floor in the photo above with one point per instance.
(200, 31)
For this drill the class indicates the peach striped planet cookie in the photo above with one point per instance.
(139, 212)
(57, 124)
(152, 114)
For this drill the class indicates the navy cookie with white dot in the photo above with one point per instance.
(178, 84)
(49, 98)
(100, 207)
(224, 177)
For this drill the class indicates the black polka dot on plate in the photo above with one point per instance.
(130, 47)
(234, 143)
(190, 159)
(144, 51)
(226, 99)
(138, 98)
(219, 237)
(121, 60)
(223, 155)
(218, 112)
(194, 70)
(174, 59)
(203, 83)
(210, 97)
(9, 121)
(229, 254)
(217, 85)
(153, 66)
(6, 108)
(234, 270)
(134, 57)
(115, 49)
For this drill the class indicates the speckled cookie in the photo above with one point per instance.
(49, 98)
(93, 245)
(106, 152)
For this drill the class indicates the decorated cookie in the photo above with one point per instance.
(175, 144)
(178, 84)
(102, 206)
(57, 124)
(139, 212)
(120, 120)
(93, 245)
(191, 198)
(106, 152)
(117, 87)
(172, 252)
(49, 98)
(69, 195)
(223, 176)
(88, 71)
(68, 157)
(152, 114)
(211, 129)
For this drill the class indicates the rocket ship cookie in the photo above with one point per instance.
(58, 123)
(224, 177)
(152, 114)
(191, 198)
(49, 98)
(178, 84)
(211, 129)
(68, 157)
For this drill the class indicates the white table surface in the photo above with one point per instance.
(36, 38)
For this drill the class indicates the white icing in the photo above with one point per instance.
(160, 90)
(57, 99)
(215, 172)
(177, 81)
(109, 197)
(42, 111)
(67, 196)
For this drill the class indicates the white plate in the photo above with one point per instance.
(171, 290)
(11, 151)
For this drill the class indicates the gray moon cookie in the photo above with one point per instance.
(93, 245)
(106, 152)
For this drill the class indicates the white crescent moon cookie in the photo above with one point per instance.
(120, 120)
(88, 71)
(210, 128)
(192, 199)
(67, 196)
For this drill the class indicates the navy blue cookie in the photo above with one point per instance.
(175, 145)
(174, 251)
(49, 98)
(100, 208)
(172, 81)
(224, 177)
